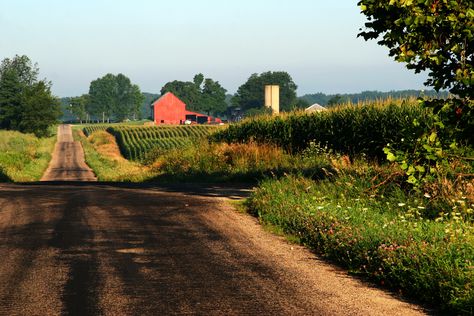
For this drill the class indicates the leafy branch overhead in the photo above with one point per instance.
(435, 35)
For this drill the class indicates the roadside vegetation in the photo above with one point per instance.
(24, 157)
(103, 156)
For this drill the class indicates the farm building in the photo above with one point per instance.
(315, 108)
(169, 109)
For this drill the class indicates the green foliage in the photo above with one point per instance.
(114, 96)
(427, 35)
(251, 94)
(361, 130)
(78, 106)
(24, 157)
(136, 142)
(434, 36)
(201, 95)
(26, 104)
(378, 236)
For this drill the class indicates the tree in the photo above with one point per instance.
(213, 97)
(40, 109)
(201, 95)
(79, 107)
(26, 103)
(434, 36)
(335, 100)
(114, 95)
(251, 94)
(302, 104)
(187, 91)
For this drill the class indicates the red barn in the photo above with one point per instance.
(169, 109)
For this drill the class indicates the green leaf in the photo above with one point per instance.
(412, 180)
(391, 157)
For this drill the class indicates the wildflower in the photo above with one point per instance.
(401, 204)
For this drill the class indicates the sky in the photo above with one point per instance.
(154, 42)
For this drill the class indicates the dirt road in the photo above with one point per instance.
(98, 249)
(68, 160)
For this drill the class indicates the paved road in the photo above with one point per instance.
(97, 249)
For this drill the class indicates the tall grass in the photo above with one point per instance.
(24, 157)
(206, 161)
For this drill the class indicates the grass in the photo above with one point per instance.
(232, 162)
(24, 157)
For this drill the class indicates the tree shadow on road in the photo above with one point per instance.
(233, 191)
(3, 176)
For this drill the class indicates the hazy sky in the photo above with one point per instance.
(155, 41)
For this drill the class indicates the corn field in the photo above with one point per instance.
(352, 130)
(88, 130)
(135, 142)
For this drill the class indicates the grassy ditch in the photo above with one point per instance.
(24, 157)
(386, 235)
(210, 162)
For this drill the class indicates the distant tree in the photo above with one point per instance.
(302, 104)
(198, 80)
(26, 103)
(187, 91)
(213, 97)
(78, 107)
(201, 95)
(335, 100)
(251, 94)
(114, 95)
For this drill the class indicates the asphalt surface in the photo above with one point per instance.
(72, 248)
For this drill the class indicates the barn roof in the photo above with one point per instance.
(315, 108)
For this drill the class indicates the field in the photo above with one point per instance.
(24, 157)
(136, 142)
(353, 130)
